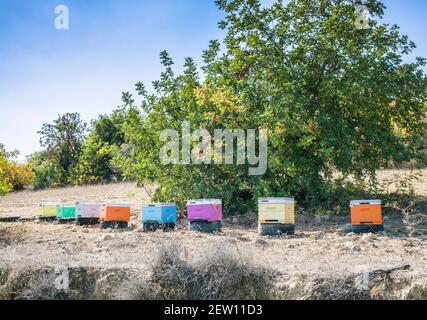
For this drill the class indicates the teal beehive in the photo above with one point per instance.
(66, 212)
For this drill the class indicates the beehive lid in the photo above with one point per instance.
(166, 204)
(68, 205)
(361, 202)
(276, 200)
(90, 203)
(204, 202)
(116, 205)
(49, 204)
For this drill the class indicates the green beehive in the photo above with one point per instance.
(66, 212)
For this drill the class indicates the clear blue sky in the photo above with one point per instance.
(111, 45)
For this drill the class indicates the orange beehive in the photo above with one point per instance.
(365, 212)
(114, 212)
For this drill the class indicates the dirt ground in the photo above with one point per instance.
(317, 254)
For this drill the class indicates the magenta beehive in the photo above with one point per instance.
(204, 210)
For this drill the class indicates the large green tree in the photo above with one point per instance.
(63, 139)
(104, 139)
(334, 97)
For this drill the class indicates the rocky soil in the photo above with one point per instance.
(317, 262)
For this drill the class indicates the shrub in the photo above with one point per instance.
(217, 275)
(13, 175)
(19, 175)
(5, 185)
(46, 173)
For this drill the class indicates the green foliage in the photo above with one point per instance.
(73, 158)
(18, 175)
(63, 140)
(104, 139)
(46, 172)
(333, 98)
(13, 175)
(5, 185)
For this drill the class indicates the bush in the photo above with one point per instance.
(19, 175)
(5, 185)
(13, 175)
(46, 173)
(217, 275)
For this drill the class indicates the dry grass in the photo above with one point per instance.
(224, 274)
(221, 274)
(419, 185)
(32, 283)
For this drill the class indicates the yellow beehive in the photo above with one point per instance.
(48, 209)
(276, 210)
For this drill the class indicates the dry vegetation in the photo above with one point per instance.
(317, 263)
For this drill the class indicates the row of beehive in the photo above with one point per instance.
(275, 215)
(87, 213)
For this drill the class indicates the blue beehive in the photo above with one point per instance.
(158, 215)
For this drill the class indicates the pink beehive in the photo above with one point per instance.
(88, 209)
(204, 210)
